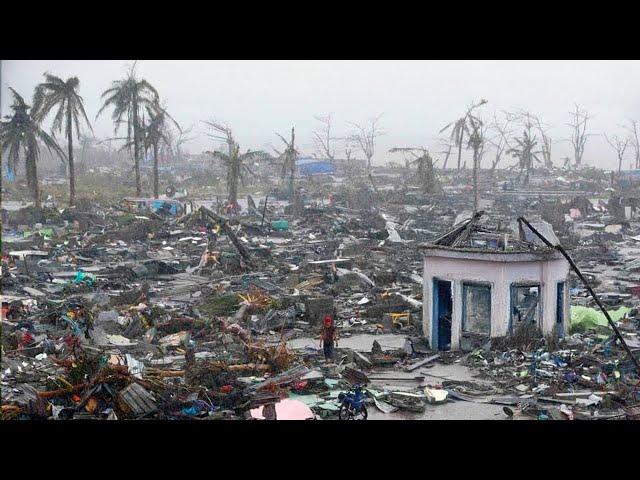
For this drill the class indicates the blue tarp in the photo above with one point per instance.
(10, 175)
(158, 204)
(630, 174)
(314, 166)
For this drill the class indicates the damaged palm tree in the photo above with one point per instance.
(447, 146)
(545, 149)
(460, 128)
(129, 98)
(525, 149)
(20, 132)
(233, 160)
(365, 139)
(155, 134)
(425, 165)
(55, 92)
(476, 142)
(289, 157)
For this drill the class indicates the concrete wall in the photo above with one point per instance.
(500, 272)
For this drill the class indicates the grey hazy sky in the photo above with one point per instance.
(417, 98)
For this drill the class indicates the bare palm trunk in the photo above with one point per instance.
(136, 150)
(460, 148)
(293, 161)
(446, 159)
(475, 180)
(72, 171)
(370, 175)
(32, 179)
(155, 170)
(233, 181)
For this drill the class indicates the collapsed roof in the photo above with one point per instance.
(471, 235)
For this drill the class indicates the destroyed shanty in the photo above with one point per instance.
(480, 283)
(236, 284)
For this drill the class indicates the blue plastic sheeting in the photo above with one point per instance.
(10, 175)
(312, 166)
(630, 174)
(158, 204)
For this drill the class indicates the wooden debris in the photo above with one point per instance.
(413, 366)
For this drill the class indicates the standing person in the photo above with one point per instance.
(328, 338)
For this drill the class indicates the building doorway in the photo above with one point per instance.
(560, 309)
(442, 314)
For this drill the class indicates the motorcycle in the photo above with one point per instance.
(352, 404)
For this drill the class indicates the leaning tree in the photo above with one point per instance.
(21, 133)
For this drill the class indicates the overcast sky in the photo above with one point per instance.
(416, 98)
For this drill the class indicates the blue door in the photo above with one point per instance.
(441, 318)
(560, 309)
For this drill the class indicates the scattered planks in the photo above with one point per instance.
(424, 361)
(136, 400)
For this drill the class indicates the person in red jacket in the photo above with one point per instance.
(328, 338)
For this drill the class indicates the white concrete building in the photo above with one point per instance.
(479, 284)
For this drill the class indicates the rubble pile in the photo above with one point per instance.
(120, 311)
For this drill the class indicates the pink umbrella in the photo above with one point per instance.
(287, 409)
